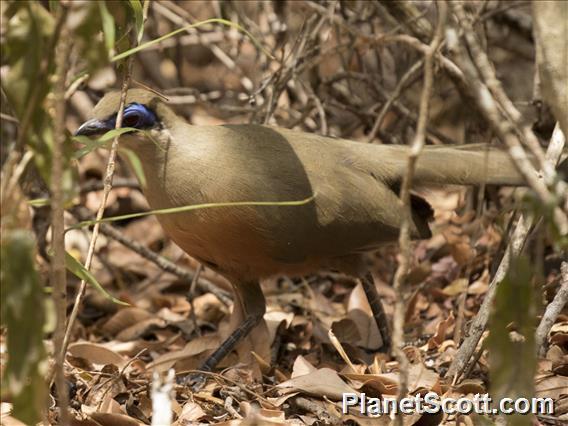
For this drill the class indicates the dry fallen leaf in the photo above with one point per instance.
(191, 412)
(96, 354)
(324, 382)
(440, 336)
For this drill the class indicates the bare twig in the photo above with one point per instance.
(412, 19)
(58, 275)
(106, 191)
(552, 311)
(505, 119)
(514, 248)
(230, 409)
(191, 296)
(404, 239)
(97, 185)
(487, 72)
(163, 263)
(179, 16)
(8, 118)
(18, 170)
(406, 78)
(458, 327)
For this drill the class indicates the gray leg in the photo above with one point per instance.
(229, 344)
(249, 295)
(377, 309)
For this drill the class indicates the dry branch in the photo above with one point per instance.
(404, 238)
(514, 249)
(58, 273)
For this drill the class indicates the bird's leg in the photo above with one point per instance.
(252, 305)
(377, 308)
(229, 344)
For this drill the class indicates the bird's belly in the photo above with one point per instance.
(235, 245)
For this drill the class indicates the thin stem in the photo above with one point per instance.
(58, 275)
(404, 238)
(111, 164)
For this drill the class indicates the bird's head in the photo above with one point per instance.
(143, 110)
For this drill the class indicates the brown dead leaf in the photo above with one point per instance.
(274, 319)
(472, 386)
(255, 416)
(440, 336)
(559, 339)
(481, 285)
(107, 405)
(385, 384)
(363, 420)
(359, 311)
(560, 366)
(208, 308)
(278, 401)
(133, 347)
(346, 331)
(170, 316)
(420, 377)
(135, 331)
(559, 334)
(195, 347)
(302, 367)
(97, 355)
(324, 382)
(124, 318)
(561, 407)
(551, 386)
(191, 412)
(103, 389)
(112, 419)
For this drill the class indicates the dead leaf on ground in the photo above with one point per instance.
(324, 382)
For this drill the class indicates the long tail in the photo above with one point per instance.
(462, 165)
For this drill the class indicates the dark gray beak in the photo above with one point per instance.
(93, 127)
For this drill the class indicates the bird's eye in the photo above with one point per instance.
(131, 119)
(138, 116)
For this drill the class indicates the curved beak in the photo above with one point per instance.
(93, 127)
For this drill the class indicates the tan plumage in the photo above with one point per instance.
(356, 187)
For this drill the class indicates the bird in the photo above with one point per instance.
(350, 190)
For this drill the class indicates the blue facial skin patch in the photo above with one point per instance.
(135, 115)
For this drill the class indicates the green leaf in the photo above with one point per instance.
(111, 134)
(92, 144)
(136, 164)
(138, 18)
(194, 207)
(187, 27)
(39, 202)
(22, 313)
(108, 28)
(513, 360)
(74, 266)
